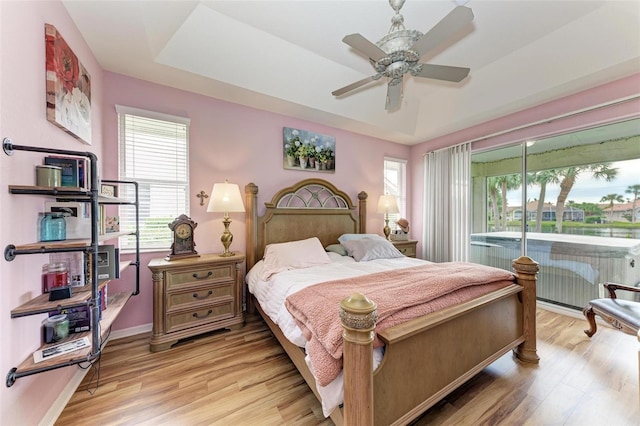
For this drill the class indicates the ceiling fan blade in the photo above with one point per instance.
(442, 72)
(394, 96)
(448, 26)
(363, 45)
(353, 86)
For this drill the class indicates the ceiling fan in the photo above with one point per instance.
(400, 50)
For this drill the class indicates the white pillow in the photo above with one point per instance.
(348, 237)
(371, 248)
(293, 255)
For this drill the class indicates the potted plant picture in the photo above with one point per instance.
(304, 150)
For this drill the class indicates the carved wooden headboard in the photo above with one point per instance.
(310, 208)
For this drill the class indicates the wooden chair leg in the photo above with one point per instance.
(591, 317)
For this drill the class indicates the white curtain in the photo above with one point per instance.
(447, 204)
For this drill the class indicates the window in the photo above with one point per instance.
(572, 206)
(154, 153)
(395, 177)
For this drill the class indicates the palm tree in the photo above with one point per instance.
(569, 176)
(492, 187)
(507, 183)
(542, 178)
(635, 190)
(610, 199)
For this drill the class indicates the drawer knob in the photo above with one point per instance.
(209, 312)
(403, 251)
(209, 293)
(197, 277)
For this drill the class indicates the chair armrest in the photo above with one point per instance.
(612, 287)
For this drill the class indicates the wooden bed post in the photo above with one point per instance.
(251, 223)
(358, 315)
(526, 270)
(362, 212)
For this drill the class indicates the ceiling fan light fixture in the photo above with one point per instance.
(399, 41)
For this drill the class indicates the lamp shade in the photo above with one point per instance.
(225, 198)
(387, 204)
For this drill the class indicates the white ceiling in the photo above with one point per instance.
(287, 56)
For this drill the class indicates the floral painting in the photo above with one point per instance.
(68, 87)
(303, 150)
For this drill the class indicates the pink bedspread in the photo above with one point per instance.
(401, 295)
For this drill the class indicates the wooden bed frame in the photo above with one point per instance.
(425, 359)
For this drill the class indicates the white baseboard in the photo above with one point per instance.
(569, 312)
(119, 334)
(61, 401)
(559, 309)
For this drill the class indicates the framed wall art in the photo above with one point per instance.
(304, 150)
(68, 87)
(109, 190)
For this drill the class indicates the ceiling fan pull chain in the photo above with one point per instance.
(397, 21)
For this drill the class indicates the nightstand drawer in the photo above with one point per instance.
(408, 251)
(195, 317)
(200, 276)
(408, 248)
(200, 296)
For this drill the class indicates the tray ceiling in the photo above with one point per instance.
(287, 56)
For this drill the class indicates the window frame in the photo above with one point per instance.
(182, 186)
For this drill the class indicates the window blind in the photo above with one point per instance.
(153, 152)
(394, 184)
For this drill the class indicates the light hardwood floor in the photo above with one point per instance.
(243, 377)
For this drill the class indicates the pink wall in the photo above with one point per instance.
(518, 127)
(23, 119)
(241, 144)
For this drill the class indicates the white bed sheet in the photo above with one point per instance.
(272, 294)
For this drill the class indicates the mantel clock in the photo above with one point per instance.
(183, 245)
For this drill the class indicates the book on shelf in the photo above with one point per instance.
(82, 173)
(104, 295)
(69, 166)
(102, 220)
(108, 262)
(75, 170)
(116, 253)
(60, 349)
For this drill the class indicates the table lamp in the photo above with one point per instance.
(225, 198)
(387, 204)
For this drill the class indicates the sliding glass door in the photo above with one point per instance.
(573, 200)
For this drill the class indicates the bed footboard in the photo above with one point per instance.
(427, 358)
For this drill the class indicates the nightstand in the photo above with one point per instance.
(408, 247)
(195, 295)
